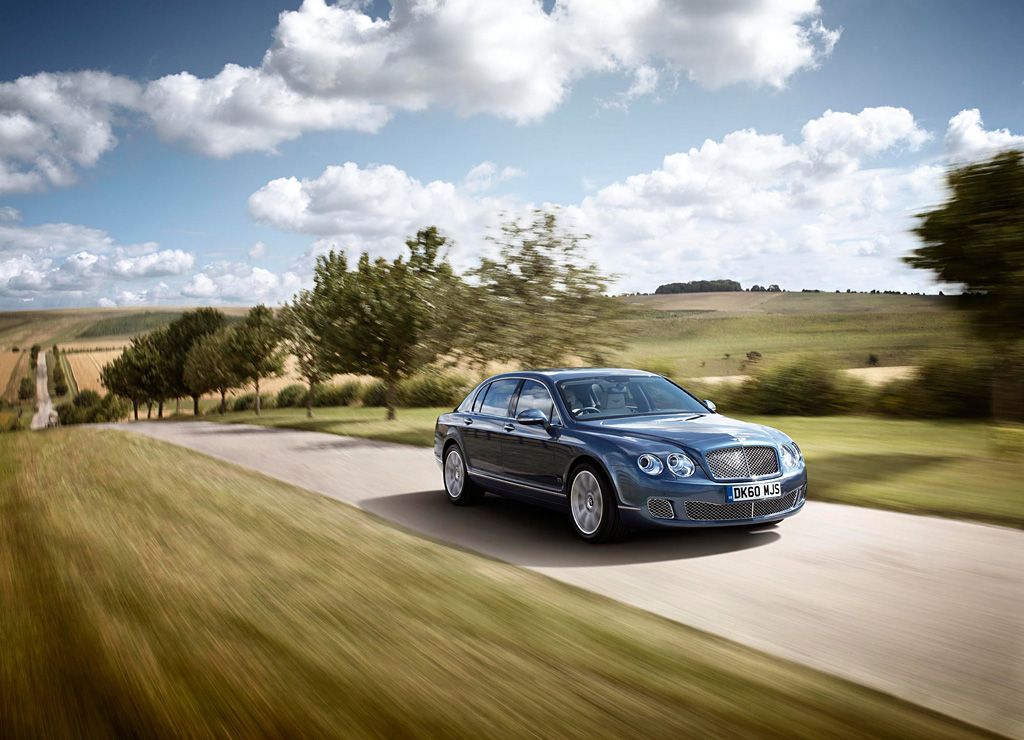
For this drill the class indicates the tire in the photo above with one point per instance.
(593, 507)
(460, 489)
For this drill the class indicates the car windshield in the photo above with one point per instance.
(611, 396)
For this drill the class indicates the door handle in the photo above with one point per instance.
(509, 428)
(469, 420)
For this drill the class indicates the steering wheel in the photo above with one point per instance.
(588, 410)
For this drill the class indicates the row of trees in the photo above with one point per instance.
(540, 304)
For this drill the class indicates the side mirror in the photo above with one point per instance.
(711, 406)
(532, 417)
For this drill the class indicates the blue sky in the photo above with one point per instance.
(117, 188)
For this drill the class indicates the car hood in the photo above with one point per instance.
(702, 431)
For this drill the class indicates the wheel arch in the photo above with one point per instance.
(583, 459)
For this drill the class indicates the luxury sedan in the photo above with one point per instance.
(616, 449)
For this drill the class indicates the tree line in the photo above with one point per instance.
(540, 303)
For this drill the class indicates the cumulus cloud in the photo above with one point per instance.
(257, 251)
(966, 138)
(238, 282)
(333, 66)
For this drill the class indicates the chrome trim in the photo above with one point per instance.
(778, 462)
(517, 483)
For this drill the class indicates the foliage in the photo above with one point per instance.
(433, 389)
(387, 317)
(943, 387)
(131, 323)
(374, 394)
(60, 387)
(337, 394)
(86, 398)
(34, 356)
(178, 338)
(805, 387)
(292, 396)
(26, 389)
(304, 326)
(540, 304)
(658, 365)
(209, 367)
(16, 425)
(137, 374)
(247, 402)
(700, 286)
(253, 345)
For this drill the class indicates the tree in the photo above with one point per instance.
(179, 337)
(388, 319)
(26, 389)
(253, 345)
(541, 303)
(209, 367)
(976, 239)
(304, 327)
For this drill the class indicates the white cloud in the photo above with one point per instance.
(486, 175)
(237, 282)
(966, 138)
(9, 214)
(332, 66)
(257, 251)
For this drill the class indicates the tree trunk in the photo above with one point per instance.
(135, 409)
(309, 399)
(223, 400)
(257, 396)
(195, 405)
(149, 410)
(392, 397)
(160, 410)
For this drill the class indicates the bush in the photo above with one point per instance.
(247, 402)
(374, 394)
(873, 360)
(85, 399)
(15, 425)
(292, 396)
(107, 409)
(338, 394)
(433, 389)
(801, 388)
(60, 388)
(655, 365)
(952, 387)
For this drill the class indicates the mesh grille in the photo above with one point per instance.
(734, 463)
(661, 508)
(704, 511)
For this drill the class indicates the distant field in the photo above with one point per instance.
(11, 373)
(86, 367)
(790, 302)
(151, 592)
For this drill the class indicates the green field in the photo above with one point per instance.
(967, 470)
(151, 592)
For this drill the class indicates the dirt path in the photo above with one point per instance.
(42, 395)
(927, 609)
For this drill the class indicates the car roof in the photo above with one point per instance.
(568, 373)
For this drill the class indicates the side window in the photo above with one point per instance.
(499, 393)
(535, 396)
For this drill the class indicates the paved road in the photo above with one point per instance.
(931, 610)
(42, 395)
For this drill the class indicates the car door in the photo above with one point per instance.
(533, 455)
(485, 427)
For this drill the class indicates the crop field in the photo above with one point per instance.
(86, 367)
(13, 366)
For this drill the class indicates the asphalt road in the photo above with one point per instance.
(927, 609)
(42, 395)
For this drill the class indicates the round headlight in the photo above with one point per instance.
(681, 465)
(791, 459)
(650, 464)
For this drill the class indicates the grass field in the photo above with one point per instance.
(966, 470)
(140, 601)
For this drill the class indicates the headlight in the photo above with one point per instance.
(650, 464)
(681, 465)
(791, 457)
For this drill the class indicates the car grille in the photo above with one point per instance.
(735, 463)
(704, 511)
(661, 508)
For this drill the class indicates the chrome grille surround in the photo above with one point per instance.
(707, 512)
(661, 508)
(741, 463)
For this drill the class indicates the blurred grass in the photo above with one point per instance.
(964, 470)
(140, 601)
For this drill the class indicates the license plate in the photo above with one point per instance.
(751, 491)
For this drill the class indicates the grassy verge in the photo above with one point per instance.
(144, 601)
(956, 469)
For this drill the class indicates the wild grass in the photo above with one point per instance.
(152, 592)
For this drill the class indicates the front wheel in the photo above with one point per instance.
(460, 489)
(595, 512)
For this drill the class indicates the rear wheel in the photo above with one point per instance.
(460, 489)
(595, 511)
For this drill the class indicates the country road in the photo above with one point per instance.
(927, 609)
(42, 395)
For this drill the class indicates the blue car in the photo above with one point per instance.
(617, 449)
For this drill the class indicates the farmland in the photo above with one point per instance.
(86, 367)
(13, 367)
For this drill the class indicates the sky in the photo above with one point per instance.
(205, 153)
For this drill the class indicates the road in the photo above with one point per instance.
(927, 609)
(42, 395)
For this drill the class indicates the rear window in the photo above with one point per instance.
(497, 397)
